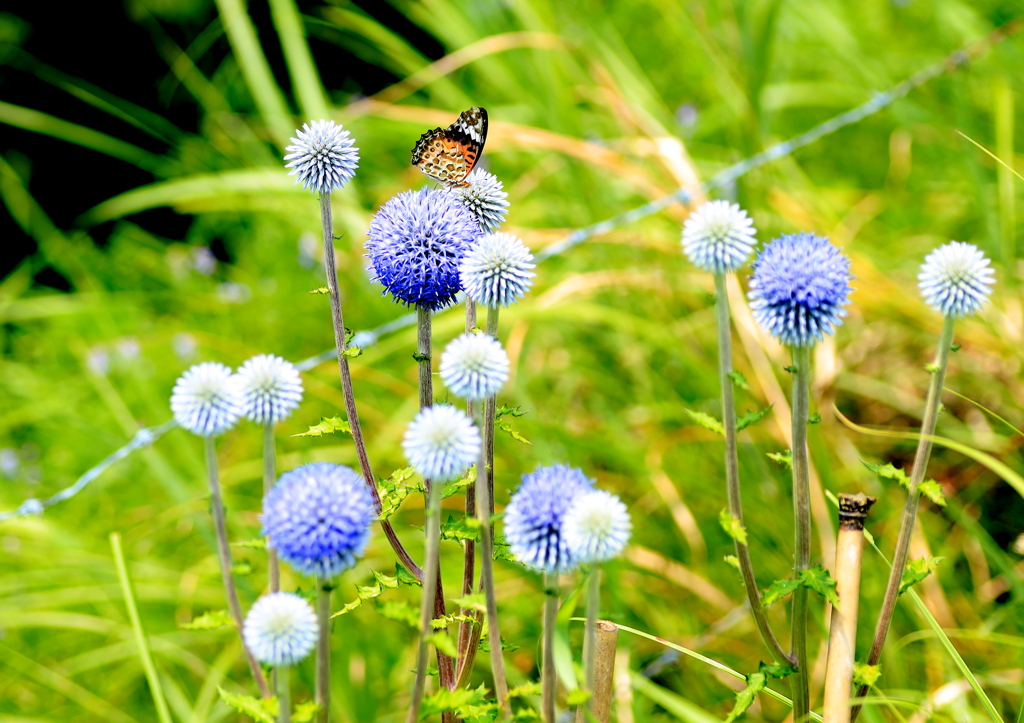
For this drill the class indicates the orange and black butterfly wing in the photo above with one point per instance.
(449, 155)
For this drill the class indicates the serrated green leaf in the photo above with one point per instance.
(445, 645)
(328, 425)
(745, 698)
(506, 427)
(502, 550)
(506, 646)
(814, 418)
(738, 380)
(918, 570)
(400, 611)
(395, 489)
(525, 690)
(778, 590)
(352, 352)
(461, 529)
(385, 581)
(887, 471)
(527, 715)
(733, 527)
(577, 696)
(504, 410)
(452, 619)
(321, 290)
(256, 543)
(405, 577)
(864, 674)
(707, 421)
(348, 607)
(212, 620)
(474, 601)
(933, 491)
(486, 713)
(784, 459)
(262, 711)
(445, 699)
(776, 670)
(817, 579)
(732, 561)
(748, 418)
(453, 488)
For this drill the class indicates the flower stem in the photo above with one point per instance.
(732, 474)
(466, 648)
(924, 450)
(547, 669)
(351, 412)
(284, 701)
(490, 408)
(269, 478)
(427, 603)
(323, 649)
(590, 631)
(802, 517)
(224, 554)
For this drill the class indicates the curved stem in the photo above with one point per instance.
(351, 412)
(224, 555)
(732, 475)
(924, 450)
(269, 479)
(802, 517)
(323, 649)
(547, 669)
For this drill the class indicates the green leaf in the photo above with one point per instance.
(453, 488)
(444, 644)
(262, 711)
(451, 619)
(505, 425)
(394, 490)
(320, 290)
(486, 713)
(504, 411)
(256, 543)
(502, 550)
(401, 611)
(707, 421)
(785, 459)
(814, 419)
(738, 380)
(732, 561)
(405, 577)
(506, 646)
(526, 690)
(328, 425)
(576, 697)
(931, 367)
(733, 527)
(305, 712)
(756, 682)
(933, 491)
(887, 471)
(791, 369)
(471, 602)
(749, 418)
(445, 699)
(212, 620)
(864, 674)
(918, 570)
(776, 670)
(461, 529)
(778, 590)
(352, 352)
(820, 581)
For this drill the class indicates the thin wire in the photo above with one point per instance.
(363, 339)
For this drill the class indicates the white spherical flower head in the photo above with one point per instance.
(206, 399)
(271, 389)
(485, 197)
(718, 237)
(596, 527)
(322, 156)
(280, 629)
(474, 366)
(497, 271)
(441, 443)
(955, 279)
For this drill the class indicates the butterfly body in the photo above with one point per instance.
(448, 155)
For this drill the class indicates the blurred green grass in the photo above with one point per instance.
(596, 108)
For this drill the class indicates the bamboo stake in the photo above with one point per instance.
(600, 703)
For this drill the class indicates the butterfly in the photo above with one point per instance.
(449, 155)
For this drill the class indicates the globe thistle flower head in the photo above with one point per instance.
(318, 518)
(534, 518)
(498, 270)
(485, 197)
(416, 242)
(271, 389)
(597, 526)
(474, 366)
(955, 279)
(801, 283)
(441, 443)
(718, 237)
(322, 156)
(206, 399)
(280, 629)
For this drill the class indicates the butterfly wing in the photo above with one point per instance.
(449, 155)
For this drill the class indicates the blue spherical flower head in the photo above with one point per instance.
(597, 526)
(534, 518)
(417, 241)
(318, 518)
(718, 237)
(280, 629)
(207, 399)
(955, 279)
(271, 389)
(441, 443)
(798, 290)
(485, 197)
(474, 366)
(498, 270)
(322, 156)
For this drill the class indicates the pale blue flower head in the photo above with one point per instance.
(416, 242)
(318, 518)
(322, 156)
(955, 279)
(801, 283)
(485, 197)
(534, 518)
(474, 366)
(718, 237)
(271, 389)
(441, 443)
(498, 270)
(280, 629)
(207, 399)
(597, 526)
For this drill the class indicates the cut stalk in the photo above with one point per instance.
(323, 649)
(802, 517)
(547, 668)
(605, 641)
(842, 643)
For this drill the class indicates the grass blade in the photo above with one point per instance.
(303, 72)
